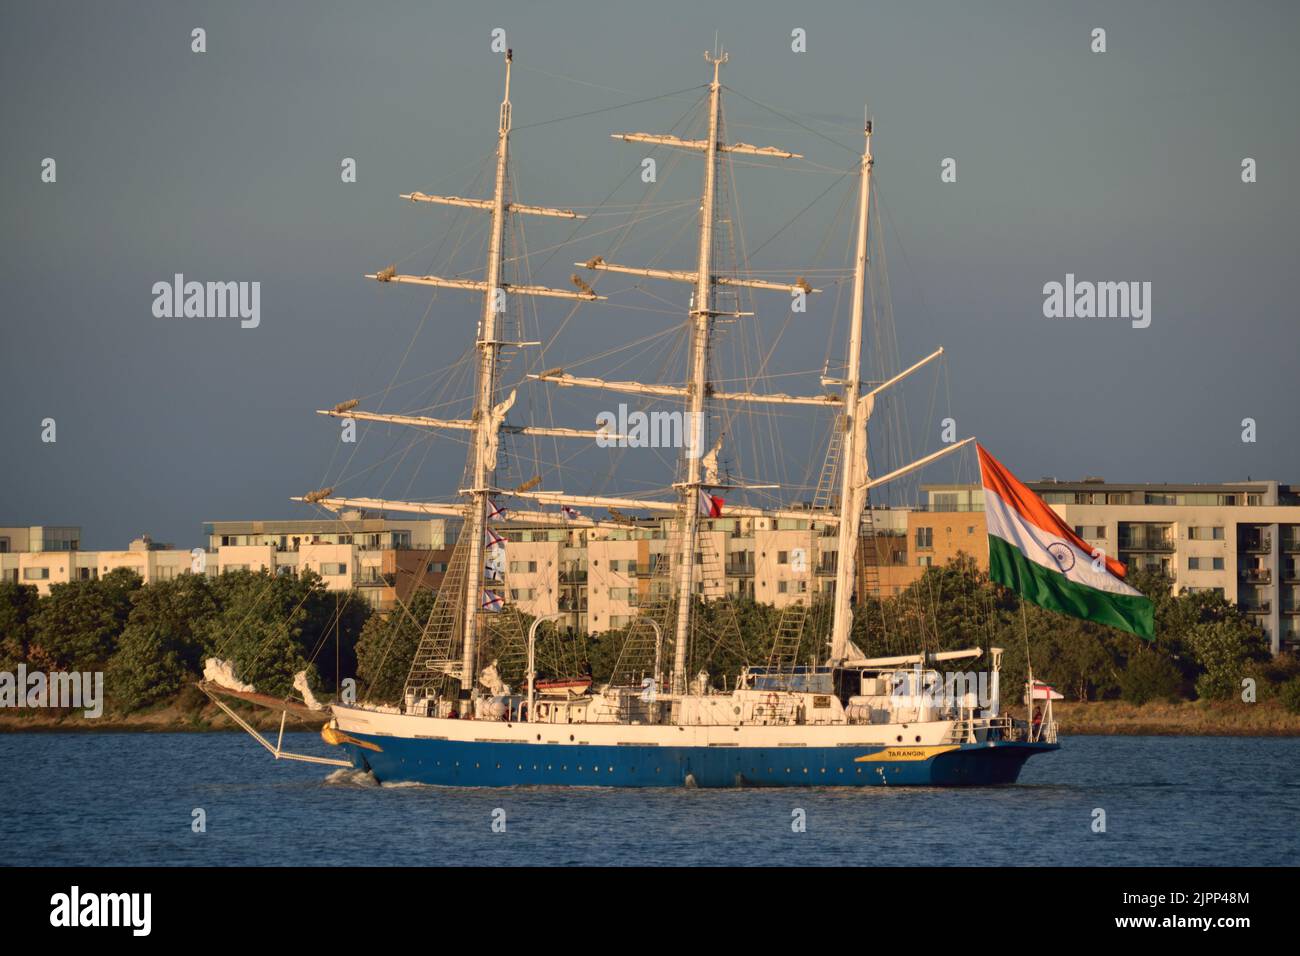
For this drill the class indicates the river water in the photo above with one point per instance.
(123, 799)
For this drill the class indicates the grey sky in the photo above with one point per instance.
(225, 166)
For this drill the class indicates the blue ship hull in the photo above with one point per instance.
(498, 764)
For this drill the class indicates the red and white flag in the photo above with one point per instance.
(710, 505)
(492, 601)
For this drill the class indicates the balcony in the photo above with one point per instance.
(1258, 607)
(1255, 543)
(1139, 542)
(1257, 575)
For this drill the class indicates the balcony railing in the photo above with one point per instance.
(1258, 607)
(1143, 543)
(1258, 543)
(1257, 575)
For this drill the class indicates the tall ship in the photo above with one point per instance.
(476, 709)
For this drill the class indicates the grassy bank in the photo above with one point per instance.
(178, 714)
(1183, 718)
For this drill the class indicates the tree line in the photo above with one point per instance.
(150, 640)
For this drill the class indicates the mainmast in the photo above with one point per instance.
(697, 383)
(854, 474)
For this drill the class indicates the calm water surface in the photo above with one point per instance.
(98, 799)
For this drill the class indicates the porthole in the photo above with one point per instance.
(900, 738)
(918, 738)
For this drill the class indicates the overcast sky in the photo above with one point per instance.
(225, 166)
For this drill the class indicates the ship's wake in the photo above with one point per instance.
(349, 777)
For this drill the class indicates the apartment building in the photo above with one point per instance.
(382, 559)
(1240, 539)
(600, 578)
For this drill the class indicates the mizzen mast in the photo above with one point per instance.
(854, 474)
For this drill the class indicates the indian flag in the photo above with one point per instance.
(1033, 552)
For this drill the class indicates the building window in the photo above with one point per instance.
(333, 569)
(783, 557)
(526, 594)
(1205, 534)
(925, 537)
(523, 567)
(926, 561)
(43, 574)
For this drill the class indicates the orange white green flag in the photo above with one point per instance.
(1037, 555)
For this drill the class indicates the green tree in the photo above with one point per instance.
(1224, 650)
(1149, 675)
(78, 624)
(271, 626)
(18, 603)
(386, 647)
(162, 645)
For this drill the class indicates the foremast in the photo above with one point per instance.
(487, 420)
(483, 452)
